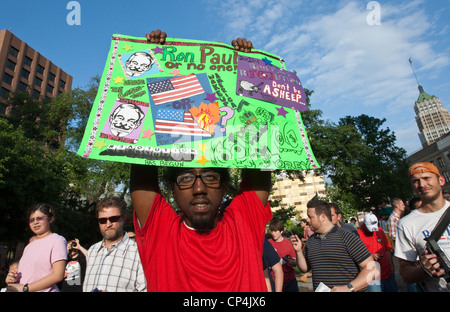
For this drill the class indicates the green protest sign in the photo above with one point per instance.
(191, 103)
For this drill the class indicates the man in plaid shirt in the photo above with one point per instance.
(113, 264)
(399, 207)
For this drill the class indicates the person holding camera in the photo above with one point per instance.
(75, 267)
(417, 265)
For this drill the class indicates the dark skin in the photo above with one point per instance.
(240, 44)
(199, 203)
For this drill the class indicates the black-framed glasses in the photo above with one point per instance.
(111, 219)
(187, 180)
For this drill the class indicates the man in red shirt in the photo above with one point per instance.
(378, 245)
(201, 249)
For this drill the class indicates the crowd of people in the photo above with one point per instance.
(203, 249)
(49, 263)
(207, 247)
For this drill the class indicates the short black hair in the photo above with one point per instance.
(321, 207)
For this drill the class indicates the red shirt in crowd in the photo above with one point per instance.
(284, 248)
(377, 243)
(227, 259)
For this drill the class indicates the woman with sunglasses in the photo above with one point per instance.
(43, 262)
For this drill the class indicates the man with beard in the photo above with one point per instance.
(113, 264)
(201, 249)
(416, 264)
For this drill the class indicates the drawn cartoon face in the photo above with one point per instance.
(124, 119)
(138, 64)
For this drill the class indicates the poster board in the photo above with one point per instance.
(191, 103)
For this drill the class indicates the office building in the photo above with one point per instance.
(432, 118)
(24, 69)
(295, 192)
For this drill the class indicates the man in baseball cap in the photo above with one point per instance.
(422, 167)
(412, 230)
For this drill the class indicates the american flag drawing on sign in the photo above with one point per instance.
(174, 89)
(177, 122)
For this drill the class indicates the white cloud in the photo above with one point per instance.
(353, 68)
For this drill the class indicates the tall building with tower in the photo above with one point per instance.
(432, 118)
(24, 69)
(433, 121)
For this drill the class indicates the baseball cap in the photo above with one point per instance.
(422, 167)
(371, 222)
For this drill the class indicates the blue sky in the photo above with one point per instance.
(354, 66)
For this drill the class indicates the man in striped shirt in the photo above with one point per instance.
(113, 264)
(337, 257)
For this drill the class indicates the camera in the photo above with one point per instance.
(73, 244)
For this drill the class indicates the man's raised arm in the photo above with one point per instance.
(143, 188)
(260, 181)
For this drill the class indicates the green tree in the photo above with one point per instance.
(28, 174)
(38, 163)
(361, 159)
(384, 169)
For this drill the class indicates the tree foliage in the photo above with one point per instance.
(362, 161)
(38, 163)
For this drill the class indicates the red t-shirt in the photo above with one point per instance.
(377, 242)
(226, 259)
(284, 248)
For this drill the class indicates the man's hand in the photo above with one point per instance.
(242, 45)
(156, 36)
(431, 263)
(296, 243)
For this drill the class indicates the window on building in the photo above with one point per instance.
(27, 61)
(62, 84)
(23, 86)
(40, 69)
(4, 93)
(51, 77)
(35, 93)
(7, 78)
(10, 64)
(25, 73)
(13, 51)
(37, 81)
(49, 89)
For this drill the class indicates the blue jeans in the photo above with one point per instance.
(387, 285)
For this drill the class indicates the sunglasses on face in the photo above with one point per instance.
(110, 219)
(37, 219)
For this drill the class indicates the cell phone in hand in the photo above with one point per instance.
(292, 234)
